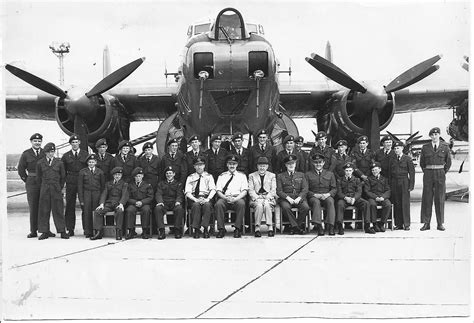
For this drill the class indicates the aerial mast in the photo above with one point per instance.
(59, 49)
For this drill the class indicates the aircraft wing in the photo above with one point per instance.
(424, 100)
(29, 103)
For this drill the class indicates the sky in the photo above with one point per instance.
(371, 41)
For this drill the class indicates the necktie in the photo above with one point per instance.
(148, 160)
(399, 157)
(36, 152)
(75, 154)
(115, 182)
(195, 154)
(123, 158)
(102, 157)
(227, 184)
(435, 147)
(386, 152)
(262, 147)
(215, 152)
(92, 170)
(261, 190)
(196, 189)
(49, 161)
(172, 156)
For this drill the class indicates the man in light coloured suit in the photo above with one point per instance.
(262, 191)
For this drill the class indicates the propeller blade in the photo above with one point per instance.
(115, 78)
(393, 136)
(35, 81)
(334, 73)
(413, 75)
(80, 129)
(374, 131)
(461, 167)
(466, 58)
(411, 136)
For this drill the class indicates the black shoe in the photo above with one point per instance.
(178, 233)
(97, 235)
(382, 227)
(320, 229)
(220, 234)
(440, 227)
(315, 227)
(287, 229)
(145, 235)
(196, 234)
(257, 234)
(406, 228)
(50, 234)
(398, 227)
(206, 234)
(43, 236)
(341, 229)
(171, 230)
(331, 229)
(237, 233)
(425, 226)
(64, 235)
(376, 227)
(129, 235)
(70, 233)
(32, 235)
(271, 233)
(118, 234)
(212, 230)
(369, 229)
(88, 235)
(161, 234)
(358, 226)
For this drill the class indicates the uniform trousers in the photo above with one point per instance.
(33, 196)
(51, 200)
(239, 208)
(360, 204)
(316, 216)
(303, 209)
(108, 207)
(434, 188)
(401, 201)
(200, 214)
(71, 196)
(386, 205)
(178, 213)
(263, 211)
(131, 216)
(91, 202)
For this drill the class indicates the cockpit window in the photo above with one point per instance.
(230, 27)
(252, 28)
(202, 28)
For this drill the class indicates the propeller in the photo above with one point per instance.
(407, 78)
(80, 108)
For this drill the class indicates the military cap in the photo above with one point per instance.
(299, 139)
(199, 161)
(262, 132)
(136, 171)
(320, 134)
(100, 142)
(262, 160)
(36, 136)
(49, 147)
(398, 144)
(169, 169)
(216, 137)
(238, 135)
(348, 165)
(147, 145)
(341, 142)
(290, 159)
(194, 137)
(362, 138)
(91, 156)
(172, 141)
(385, 138)
(232, 159)
(375, 164)
(316, 157)
(74, 137)
(124, 143)
(434, 130)
(288, 138)
(116, 170)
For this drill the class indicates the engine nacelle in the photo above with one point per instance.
(458, 129)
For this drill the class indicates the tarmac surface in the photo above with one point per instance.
(396, 274)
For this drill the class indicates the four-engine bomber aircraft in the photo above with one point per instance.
(228, 82)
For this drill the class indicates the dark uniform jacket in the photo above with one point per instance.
(190, 160)
(292, 186)
(384, 159)
(115, 193)
(340, 161)
(401, 169)
(105, 164)
(280, 165)
(169, 192)
(179, 163)
(269, 152)
(305, 157)
(328, 153)
(90, 182)
(349, 187)
(323, 183)
(27, 163)
(362, 162)
(441, 156)
(151, 169)
(73, 165)
(143, 193)
(215, 164)
(51, 175)
(374, 187)
(244, 160)
(128, 165)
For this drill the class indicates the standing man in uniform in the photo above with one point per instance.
(27, 171)
(262, 148)
(435, 161)
(113, 198)
(194, 153)
(215, 157)
(363, 158)
(104, 159)
(292, 188)
(289, 149)
(150, 164)
(342, 158)
(377, 191)
(50, 175)
(175, 158)
(241, 153)
(325, 150)
(321, 191)
(90, 184)
(299, 142)
(126, 160)
(384, 154)
(74, 160)
(169, 197)
(402, 182)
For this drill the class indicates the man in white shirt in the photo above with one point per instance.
(232, 187)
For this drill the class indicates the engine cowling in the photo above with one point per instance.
(458, 129)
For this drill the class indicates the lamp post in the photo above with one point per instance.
(59, 49)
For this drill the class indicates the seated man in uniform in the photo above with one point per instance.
(349, 191)
(262, 191)
(169, 197)
(377, 191)
(232, 187)
(200, 189)
(292, 188)
(113, 198)
(140, 197)
(321, 190)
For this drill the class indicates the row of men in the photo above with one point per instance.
(213, 160)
